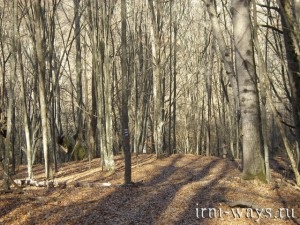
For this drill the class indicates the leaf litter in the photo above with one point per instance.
(180, 189)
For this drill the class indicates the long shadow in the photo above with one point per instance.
(203, 199)
(147, 204)
(71, 168)
(107, 207)
(11, 204)
(130, 198)
(285, 206)
(206, 199)
(168, 197)
(144, 205)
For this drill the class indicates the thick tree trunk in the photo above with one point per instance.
(253, 162)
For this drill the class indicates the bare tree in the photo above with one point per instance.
(40, 46)
(79, 99)
(28, 136)
(253, 162)
(158, 89)
(10, 122)
(125, 90)
(100, 32)
(227, 60)
(291, 33)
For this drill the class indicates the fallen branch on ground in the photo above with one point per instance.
(87, 184)
(31, 182)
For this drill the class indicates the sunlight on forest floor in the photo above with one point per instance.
(173, 190)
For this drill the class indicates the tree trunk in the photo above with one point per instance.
(228, 65)
(157, 80)
(107, 88)
(174, 146)
(224, 50)
(79, 99)
(125, 87)
(291, 35)
(262, 86)
(29, 153)
(11, 100)
(170, 79)
(93, 27)
(40, 45)
(253, 162)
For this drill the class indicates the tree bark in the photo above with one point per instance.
(40, 45)
(9, 142)
(79, 99)
(28, 139)
(263, 96)
(291, 35)
(253, 162)
(125, 87)
(107, 139)
(158, 131)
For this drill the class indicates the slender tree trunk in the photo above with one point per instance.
(107, 89)
(174, 147)
(9, 142)
(93, 27)
(137, 111)
(253, 162)
(291, 36)
(228, 65)
(263, 97)
(79, 99)
(208, 85)
(40, 54)
(125, 87)
(224, 50)
(51, 86)
(29, 153)
(158, 117)
(170, 79)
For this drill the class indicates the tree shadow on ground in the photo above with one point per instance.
(287, 212)
(142, 205)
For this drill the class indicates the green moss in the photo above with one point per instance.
(79, 152)
(248, 176)
(260, 176)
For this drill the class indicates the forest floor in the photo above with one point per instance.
(173, 190)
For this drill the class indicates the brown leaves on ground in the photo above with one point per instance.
(173, 190)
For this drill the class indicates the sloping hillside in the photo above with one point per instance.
(181, 189)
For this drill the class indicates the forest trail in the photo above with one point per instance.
(173, 190)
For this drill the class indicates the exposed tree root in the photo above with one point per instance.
(240, 203)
